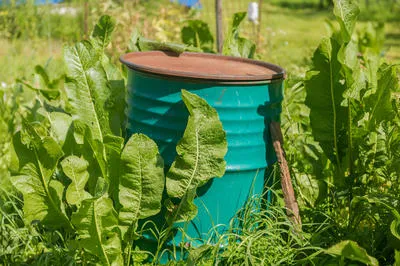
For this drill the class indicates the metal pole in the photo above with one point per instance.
(218, 19)
(259, 23)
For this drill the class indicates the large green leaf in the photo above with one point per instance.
(355, 79)
(395, 227)
(397, 258)
(352, 251)
(379, 104)
(60, 124)
(95, 87)
(142, 180)
(201, 150)
(374, 151)
(101, 35)
(101, 38)
(185, 211)
(371, 37)
(96, 223)
(198, 34)
(42, 84)
(94, 152)
(76, 169)
(133, 44)
(42, 195)
(346, 13)
(103, 158)
(372, 64)
(113, 146)
(150, 45)
(138, 43)
(235, 45)
(325, 85)
(87, 88)
(310, 188)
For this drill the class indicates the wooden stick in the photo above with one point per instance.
(292, 208)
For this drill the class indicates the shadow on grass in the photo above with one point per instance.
(392, 39)
(395, 36)
(302, 9)
(298, 5)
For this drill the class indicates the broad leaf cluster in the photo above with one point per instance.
(353, 115)
(77, 174)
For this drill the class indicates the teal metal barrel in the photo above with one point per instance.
(247, 94)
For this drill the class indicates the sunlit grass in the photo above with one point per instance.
(19, 57)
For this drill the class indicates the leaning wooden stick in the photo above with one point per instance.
(287, 186)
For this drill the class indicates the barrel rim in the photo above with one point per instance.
(279, 75)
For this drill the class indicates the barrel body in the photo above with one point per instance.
(155, 108)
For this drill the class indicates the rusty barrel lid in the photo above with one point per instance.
(202, 66)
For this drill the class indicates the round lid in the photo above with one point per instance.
(202, 66)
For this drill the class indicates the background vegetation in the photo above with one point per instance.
(290, 30)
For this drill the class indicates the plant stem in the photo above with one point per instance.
(350, 151)
(169, 229)
(129, 247)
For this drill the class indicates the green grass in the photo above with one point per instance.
(263, 238)
(19, 57)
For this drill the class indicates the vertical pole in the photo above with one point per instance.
(259, 23)
(85, 19)
(218, 19)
